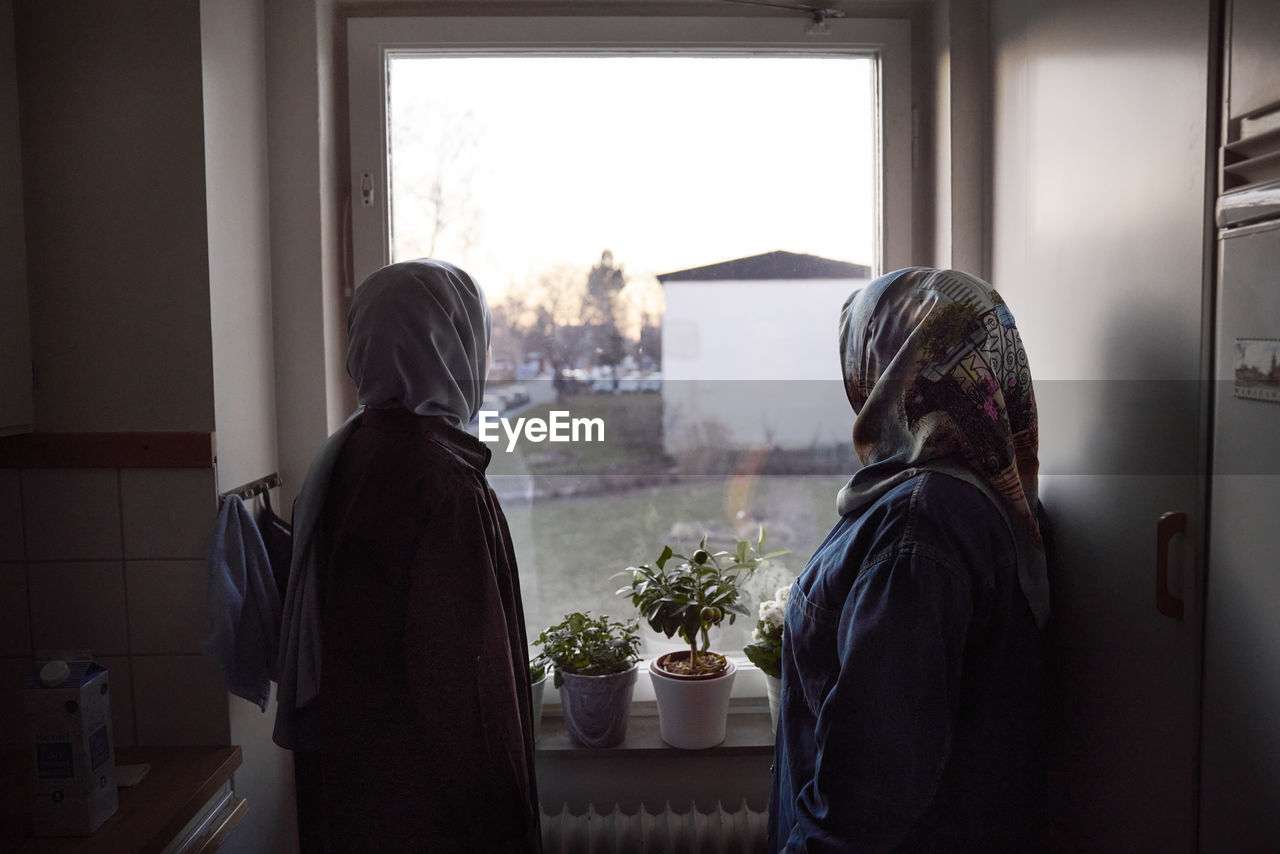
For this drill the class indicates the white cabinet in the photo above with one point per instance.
(15, 335)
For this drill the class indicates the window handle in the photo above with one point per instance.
(1170, 525)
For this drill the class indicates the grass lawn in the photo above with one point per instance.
(632, 438)
(568, 548)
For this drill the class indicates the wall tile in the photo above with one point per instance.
(168, 513)
(15, 620)
(13, 722)
(78, 606)
(11, 540)
(179, 700)
(119, 672)
(71, 514)
(167, 611)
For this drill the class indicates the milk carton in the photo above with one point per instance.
(68, 710)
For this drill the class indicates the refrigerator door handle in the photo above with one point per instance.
(1170, 525)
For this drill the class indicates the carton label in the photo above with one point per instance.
(55, 760)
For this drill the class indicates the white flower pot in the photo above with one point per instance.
(773, 685)
(538, 688)
(692, 710)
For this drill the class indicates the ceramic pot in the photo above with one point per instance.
(773, 685)
(596, 708)
(692, 710)
(538, 688)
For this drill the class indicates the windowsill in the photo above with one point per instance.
(748, 733)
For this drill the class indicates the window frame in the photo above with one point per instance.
(371, 40)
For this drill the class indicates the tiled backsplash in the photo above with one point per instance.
(113, 560)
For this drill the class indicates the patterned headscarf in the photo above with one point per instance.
(937, 375)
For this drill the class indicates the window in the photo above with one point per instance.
(666, 216)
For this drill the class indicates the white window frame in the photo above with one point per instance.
(370, 41)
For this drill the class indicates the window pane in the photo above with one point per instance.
(666, 242)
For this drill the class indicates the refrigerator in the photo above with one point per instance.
(1240, 723)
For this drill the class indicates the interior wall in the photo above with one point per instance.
(233, 56)
(233, 59)
(114, 190)
(961, 137)
(1100, 155)
(305, 210)
(112, 559)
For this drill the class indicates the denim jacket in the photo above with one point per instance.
(912, 710)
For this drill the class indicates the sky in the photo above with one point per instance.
(669, 162)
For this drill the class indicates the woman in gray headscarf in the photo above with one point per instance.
(404, 656)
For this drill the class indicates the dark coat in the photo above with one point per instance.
(425, 709)
(913, 708)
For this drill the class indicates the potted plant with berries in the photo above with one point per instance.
(687, 597)
(765, 650)
(594, 661)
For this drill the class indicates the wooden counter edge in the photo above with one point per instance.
(186, 811)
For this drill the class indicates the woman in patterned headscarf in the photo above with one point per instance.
(403, 651)
(912, 715)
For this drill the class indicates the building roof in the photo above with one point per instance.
(771, 265)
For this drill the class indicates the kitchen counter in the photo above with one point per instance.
(186, 803)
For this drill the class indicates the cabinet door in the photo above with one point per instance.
(1240, 779)
(15, 339)
(1101, 256)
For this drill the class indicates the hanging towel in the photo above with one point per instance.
(244, 605)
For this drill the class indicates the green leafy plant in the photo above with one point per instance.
(765, 650)
(537, 670)
(688, 596)
(585, 646)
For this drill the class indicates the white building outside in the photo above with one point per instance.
(750, 352)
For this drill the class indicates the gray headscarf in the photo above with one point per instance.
(418, 339)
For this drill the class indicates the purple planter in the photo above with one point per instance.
(596, 708)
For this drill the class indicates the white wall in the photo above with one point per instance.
(235, 149)
(307, 311)
(961, 144)
(233, 52)
(761, 357)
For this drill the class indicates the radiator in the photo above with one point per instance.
(740, 831)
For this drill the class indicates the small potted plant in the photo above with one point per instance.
(595, 669)
(538, 682)
(687, 597)
(765, 650)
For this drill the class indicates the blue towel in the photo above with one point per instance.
(244, 605)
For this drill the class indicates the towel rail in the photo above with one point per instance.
(253, 487)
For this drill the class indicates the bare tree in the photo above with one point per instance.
(434, 166)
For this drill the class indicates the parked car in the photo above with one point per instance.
(631, 381)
